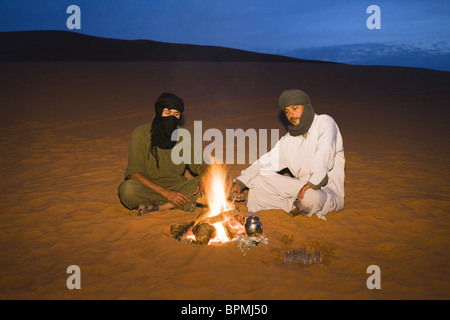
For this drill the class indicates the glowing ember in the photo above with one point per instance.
(221, 235)
(238, 227)
(190, 235)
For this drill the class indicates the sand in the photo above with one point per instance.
(64, 140)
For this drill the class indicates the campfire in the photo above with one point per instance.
(220, 221)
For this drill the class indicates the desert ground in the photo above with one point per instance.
(65, 130)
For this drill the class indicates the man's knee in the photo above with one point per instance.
(312, 202)
(315, 196)
(127, 192)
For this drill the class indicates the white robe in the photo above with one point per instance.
(310, 158)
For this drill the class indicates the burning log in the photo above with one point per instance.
(178, 230)
(204, 229)
(234, 227)
(218, 218)
(203, 232)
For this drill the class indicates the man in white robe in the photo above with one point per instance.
(313, 152)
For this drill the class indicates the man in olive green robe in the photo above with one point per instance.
(152, 180)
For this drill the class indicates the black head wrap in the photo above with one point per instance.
(295, 97)
(163, 127)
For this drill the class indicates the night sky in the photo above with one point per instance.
(413, 33)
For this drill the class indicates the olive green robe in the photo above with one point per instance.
(169, 175)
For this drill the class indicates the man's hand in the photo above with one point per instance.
(200, 188)
(173, 196)
(301, 194)
(235, 188)
(176, 197)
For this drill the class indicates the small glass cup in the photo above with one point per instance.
(302, 253)
(317, 256)
(308, 258)
(287, 257)
(296, 256)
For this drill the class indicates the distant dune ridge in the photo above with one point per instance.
(71, 46)
(435, 55)
(65, 128)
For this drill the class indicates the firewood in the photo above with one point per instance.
(229, 230)
(177, 230)
(203, 232)
(220, 217)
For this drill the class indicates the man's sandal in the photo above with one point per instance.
(146, 208)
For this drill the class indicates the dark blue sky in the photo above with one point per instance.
(277, 26)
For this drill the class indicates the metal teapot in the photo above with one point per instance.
(253, 226)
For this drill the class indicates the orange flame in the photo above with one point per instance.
(216, 191)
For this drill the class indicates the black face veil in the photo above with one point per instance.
(163, 127)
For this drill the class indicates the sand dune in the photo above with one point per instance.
(64, 141)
